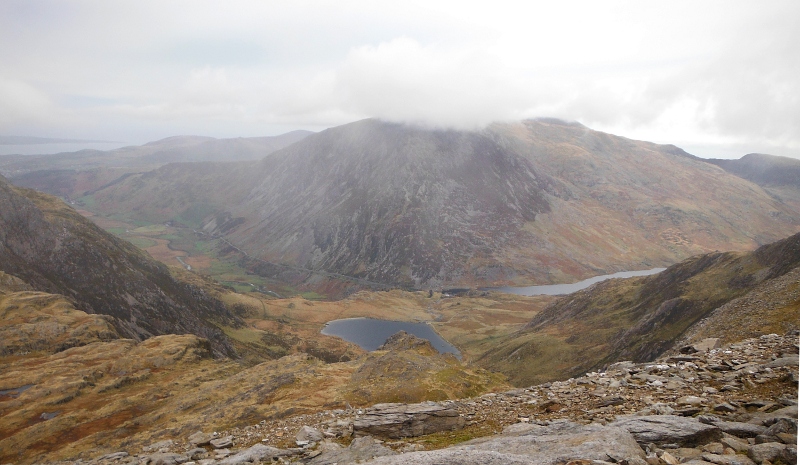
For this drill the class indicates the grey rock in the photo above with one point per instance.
(768, 451)
(200, 438)
(166, 458)
(742, 430)
(308, 433)
(407, 420)
(157, 446)
(363, 448)
(667, 429)
(782, 425)
(735, 444)
(724, 407)
(222, 443)
(707, 344)
(790, 361)
(114, 456)
(728, 459)
(196, 453)
(690, 400)
(257, 453)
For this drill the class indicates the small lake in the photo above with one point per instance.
(561, 289)
(370, 333)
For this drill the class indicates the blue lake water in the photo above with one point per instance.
(370, 333)
(561, 289)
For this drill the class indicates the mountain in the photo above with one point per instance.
(780, 176)
(538, 201)
(72, 174)
(53, 249)
(764, 170)
(730, 295)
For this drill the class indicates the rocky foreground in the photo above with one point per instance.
(735, 405)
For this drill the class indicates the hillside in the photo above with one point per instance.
(730, 295)
(53, 249)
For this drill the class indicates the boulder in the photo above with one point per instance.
(770, 451)
(222, 443)
(668, 429)
(309, 434)
(200, 438)
(407, 420)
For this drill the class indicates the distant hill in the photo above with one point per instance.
(780, 176)
(764, 170)
(540, 201)
(730, 295)
(26, 140)
(53, 249)
(72, 174)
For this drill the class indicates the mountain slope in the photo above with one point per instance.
(641, 318)
(540, 201)
(54, 249)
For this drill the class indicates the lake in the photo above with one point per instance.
(561, 289)
(370, 333)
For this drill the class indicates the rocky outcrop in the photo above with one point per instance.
(407, 420)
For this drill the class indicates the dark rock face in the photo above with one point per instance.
(54, 249)
(407, 420)
(390, 203)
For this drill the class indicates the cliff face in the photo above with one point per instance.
(54, 249)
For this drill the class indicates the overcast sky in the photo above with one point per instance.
(715, 78)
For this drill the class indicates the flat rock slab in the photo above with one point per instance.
(668, 429)
(532, 444)
(407, 420)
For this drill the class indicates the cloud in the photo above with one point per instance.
(406, 81)
(716, 72)
(22, 103)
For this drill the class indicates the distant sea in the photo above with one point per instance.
(46, 149)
